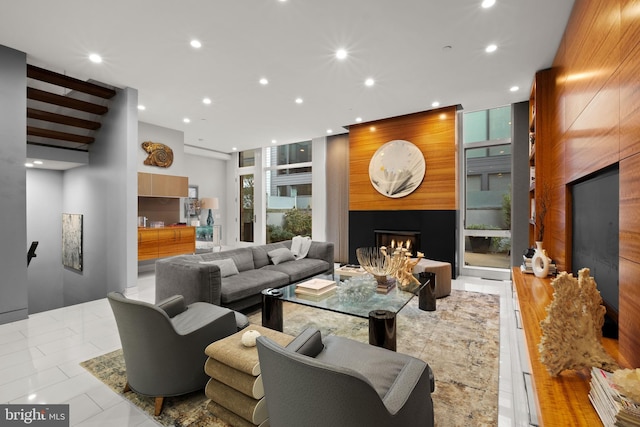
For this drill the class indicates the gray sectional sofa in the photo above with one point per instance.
(235, 278)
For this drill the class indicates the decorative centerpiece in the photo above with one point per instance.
(397, 263)
(377, 262)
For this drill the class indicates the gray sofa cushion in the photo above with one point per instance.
(300, 269)
(250, 283)
(227, 266)
(261, 253)
(242, 257)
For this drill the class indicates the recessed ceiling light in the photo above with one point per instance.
(273, 141)
(369, 82)
(38, 162)
(206, 101)
(234, 148)
(372, 128)
(94, 57)
(491, 48)
(488, 3)
(264, 81)
(29, 165)
(299, 101)
(358, 119)
(196, 44)
(141, 107)
(435, 104)
(329, 130)
(443, 116)
(186, 120)
(341, 54)
(514, 88)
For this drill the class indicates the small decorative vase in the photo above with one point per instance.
(540, 261)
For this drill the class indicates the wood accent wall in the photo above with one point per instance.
(595, 124)
(434, 133)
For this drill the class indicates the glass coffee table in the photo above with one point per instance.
(356, 296)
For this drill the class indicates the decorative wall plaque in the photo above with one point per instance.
(397, 168)
(159, 154)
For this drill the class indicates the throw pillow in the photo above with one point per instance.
(227, 266)
(280, 255)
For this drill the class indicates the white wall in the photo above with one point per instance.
(13, 248)
(44, 213)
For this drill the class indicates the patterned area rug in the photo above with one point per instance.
(460, 341)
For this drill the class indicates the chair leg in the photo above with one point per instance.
(159, 402)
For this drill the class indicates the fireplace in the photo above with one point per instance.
(386, 237)
(595, 237)
(436, 228)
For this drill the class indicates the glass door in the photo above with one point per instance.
(247, 208)
(486, 194)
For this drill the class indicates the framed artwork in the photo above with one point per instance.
(72, 241)
(191, 208)
(397, 168)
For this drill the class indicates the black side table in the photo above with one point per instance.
(382, 329)
(427, 294)
(272, 309)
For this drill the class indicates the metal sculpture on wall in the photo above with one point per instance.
(159, 154)
(72, 241)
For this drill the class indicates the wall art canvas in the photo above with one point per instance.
(397, 168)
(72, 241)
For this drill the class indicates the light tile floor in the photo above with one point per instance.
(40, 356)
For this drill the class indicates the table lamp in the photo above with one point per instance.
(209, 203)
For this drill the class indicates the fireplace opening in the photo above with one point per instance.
(595, 241)
(386, 237)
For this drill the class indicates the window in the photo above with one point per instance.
(487, 188)
(246, 158)
(288, 186)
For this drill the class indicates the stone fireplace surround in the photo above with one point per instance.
(437, 230)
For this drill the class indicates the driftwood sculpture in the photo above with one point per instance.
(159, 154)
(572, 330)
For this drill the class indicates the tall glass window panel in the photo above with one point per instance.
(488, 194)
(289, 188)
(487, 125)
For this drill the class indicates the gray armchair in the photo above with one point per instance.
(336, 381)
(164, 344)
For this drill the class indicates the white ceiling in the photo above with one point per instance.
(401, 44)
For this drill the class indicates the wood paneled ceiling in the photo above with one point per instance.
(62, 111)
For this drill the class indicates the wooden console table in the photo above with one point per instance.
(165, 241)
(563, 400)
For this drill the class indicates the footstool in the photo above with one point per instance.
(441, 269)
(235, 387)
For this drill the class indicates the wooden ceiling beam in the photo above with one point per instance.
(57, 79)
(33, 113)
(63, 136)
(82, 148)
(65, 101)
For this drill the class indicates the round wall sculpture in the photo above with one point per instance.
(397, 168)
